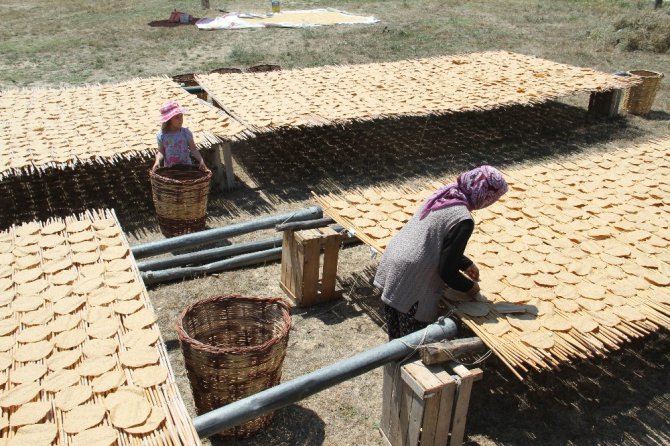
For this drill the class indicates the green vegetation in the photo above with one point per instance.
(78, 41)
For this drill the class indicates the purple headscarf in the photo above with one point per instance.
(475, 189)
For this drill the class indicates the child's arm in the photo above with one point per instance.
(160, 155)
(198, 157)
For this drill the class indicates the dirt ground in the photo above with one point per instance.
(622, 399)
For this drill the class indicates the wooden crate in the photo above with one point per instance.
(302, 277)
(426, 405)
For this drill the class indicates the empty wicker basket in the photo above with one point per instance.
(639, 99)
(233, 347)
(180, 196)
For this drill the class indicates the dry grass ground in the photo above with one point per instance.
(622, 399)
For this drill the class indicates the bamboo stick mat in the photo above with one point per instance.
(579, 246)
(51, 128)
(342, 94)
(69, 289)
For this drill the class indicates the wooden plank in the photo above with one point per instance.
(463, 391)
(228, 165)
(289, 293)
(387, 396)
(415, 419)
(385, 440)
(422, 380)
(394, 433)
(330, 255)
(446, 404)
(310, 273)
(291, 264)
(296, 268)
(430, 419)
(216, 164)
(406, 395)
(285, 258)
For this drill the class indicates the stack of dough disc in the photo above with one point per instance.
(341, 94)
(81, 358)
(46, 127)
(590, 271)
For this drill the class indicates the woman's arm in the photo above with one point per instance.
(452, 258)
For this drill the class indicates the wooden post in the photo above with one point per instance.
(658, 4)
(223, 175)
(445, 351)
(204, 4)
(228, 165)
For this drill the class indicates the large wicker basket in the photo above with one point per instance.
(180, 197)
(233, 347)
(639, 99)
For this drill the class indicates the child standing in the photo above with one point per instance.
(175, 143)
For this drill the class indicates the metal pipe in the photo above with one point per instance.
(166, 275)
(217, 234)
(209, 254)
(269, 255)
(206, 255)
(300, 388)
(300, 225)
(194, 89)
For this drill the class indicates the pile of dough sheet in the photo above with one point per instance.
(574, 259)
(439, 85)
(42, 128)
(81, 359)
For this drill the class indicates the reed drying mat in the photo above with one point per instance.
(433, 86)
(81, 358)
(48, 128)
(574, 259)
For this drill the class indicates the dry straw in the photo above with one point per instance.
(43, 129)
(434, 86)
(61, 277)
(580, 246)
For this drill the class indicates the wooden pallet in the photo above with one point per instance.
(301, 276)
(426, 405)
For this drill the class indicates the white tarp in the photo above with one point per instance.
(287, 19)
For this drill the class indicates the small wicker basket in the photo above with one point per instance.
(639, 99)
(233, 347)
(180, 196)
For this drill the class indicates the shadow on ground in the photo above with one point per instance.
(124, 187)
(287, 165)
(292, 426)
(284, 167)
(621, 399)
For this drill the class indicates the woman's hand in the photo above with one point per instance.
(472, 292)
(472, 272)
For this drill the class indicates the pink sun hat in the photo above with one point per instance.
(171, 109)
